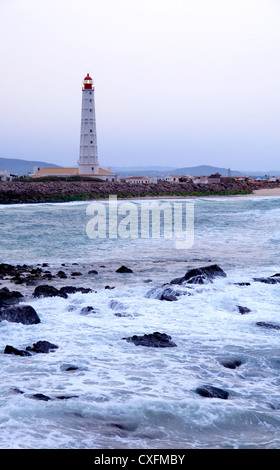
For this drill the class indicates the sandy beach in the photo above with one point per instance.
(266, 192)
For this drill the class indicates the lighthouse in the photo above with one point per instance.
(88, 165)
(88, 161)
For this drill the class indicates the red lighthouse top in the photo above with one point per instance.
(88, 83)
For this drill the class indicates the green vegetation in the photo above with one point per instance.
(47, 179)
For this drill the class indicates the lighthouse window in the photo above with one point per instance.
(91, 142)
(90, 101)
(90, 130)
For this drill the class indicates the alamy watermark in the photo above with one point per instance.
(127, 219)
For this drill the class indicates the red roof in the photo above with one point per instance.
(87, 77)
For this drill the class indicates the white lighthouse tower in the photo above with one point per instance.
(88, 161)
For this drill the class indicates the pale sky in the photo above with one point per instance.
(177, 82)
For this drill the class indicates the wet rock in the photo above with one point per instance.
(109, 287)
(87, 310)
(20, 314)
(66, 397)
(93, 271)
(200, 275)
(48, 291)
(275, 279)
(166, 292)
(8, 297)
(15, 351)
(68, 367)
(243, 310)
(76, 273)
(42, 347)
(116, 305)
(242, 283)
(120, 314)
(271, 326)
(124, 269)
(40, 396)
(61, 275)
(72, 290)
(231, 363)
(6, 269)
(17, 390)
(154, 340)
(212, 392)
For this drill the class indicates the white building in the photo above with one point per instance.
(5, 176)
(88, 159)
(200, 180)
(140, 180)
(172, 178)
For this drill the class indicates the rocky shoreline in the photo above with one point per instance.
(16, 192)
(39, 281)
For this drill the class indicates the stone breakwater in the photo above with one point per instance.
(14, 192)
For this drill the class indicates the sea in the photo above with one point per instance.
(105, 392)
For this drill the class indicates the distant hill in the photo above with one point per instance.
(22, 167)
(205, 170)
(164, 171)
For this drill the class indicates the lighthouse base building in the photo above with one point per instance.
(88, 165)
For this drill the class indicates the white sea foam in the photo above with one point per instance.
(127, 396)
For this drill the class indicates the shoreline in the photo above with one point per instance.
(266, 192)
(12, 193)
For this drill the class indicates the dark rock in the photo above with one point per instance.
(66, 397)
(40, 396)
(8, 297)
(84, 290)
(212, 392)
(17, 390)
(242, 283)
(119, 314)
(109, 287)
(17, 352)
(231, 363)
(42, 347)
(243, 310)
(72, 290)
(272, 326)
(68, 290)
(7, 269)
(118, 426)
(76, 273)
(166, 292)
(275, 279)
(116, 305)
(87, 310)
(124, 269)
(154, 340)
(200, 275)
(61, 275)
(48, 291)
(169, 297)
(68, 367)
(20, 314)
(93, 271)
